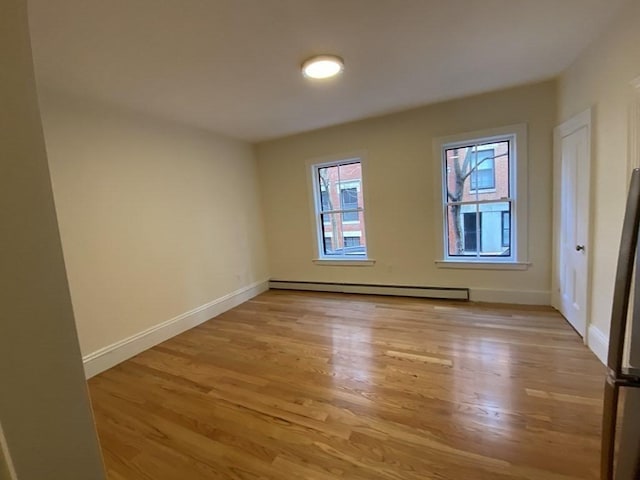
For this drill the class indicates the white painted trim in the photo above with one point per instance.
(598, 342)
(555, 221)
(403, 291)
(113, 354)
(575, 123)
(519, 297)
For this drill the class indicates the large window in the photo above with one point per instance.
(339, 207)
(479, 202)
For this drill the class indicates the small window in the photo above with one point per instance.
(349, 200)
(351, 242)
(506, 229)
(483, 177)
(340, 210)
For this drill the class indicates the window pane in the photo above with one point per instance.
(492, 174)
(458, 163)
(331, 233)
(483, 174)
(341, 237)
(495, 229)
(325, 201)
(351, 242)
(463, 230)
(352, 229)
(470, 229)
(349, 200)
(327, 185)
(328, 247)
(506, 229)
(478, 172)
(351, 180)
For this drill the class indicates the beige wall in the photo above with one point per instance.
(155, 219)
(601, 78)
(401, 204)
(44, 407)
(4, 469)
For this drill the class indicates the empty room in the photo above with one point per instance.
(319, 239)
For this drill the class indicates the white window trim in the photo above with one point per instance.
(312, 165)
(519, 182)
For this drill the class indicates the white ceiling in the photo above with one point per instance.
(232, 66)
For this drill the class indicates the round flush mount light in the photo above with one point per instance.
(322, 66)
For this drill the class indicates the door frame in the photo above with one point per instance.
(581, 120)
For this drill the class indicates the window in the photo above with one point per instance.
(349, 201)
(470, 232)
(506, 229)
(339, 208)
(351, 242)
(483, 176)
(483, 220)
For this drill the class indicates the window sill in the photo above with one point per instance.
(482, 265)
(348, 262)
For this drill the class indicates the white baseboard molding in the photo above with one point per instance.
(598, 342)
(520, 297)
(113, 354)
(394, 290)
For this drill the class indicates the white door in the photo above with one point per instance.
(572, 164)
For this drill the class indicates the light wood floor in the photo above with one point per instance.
(295, 385)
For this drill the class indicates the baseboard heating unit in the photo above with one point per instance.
(449, 293)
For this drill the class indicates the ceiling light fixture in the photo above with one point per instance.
(322, 66)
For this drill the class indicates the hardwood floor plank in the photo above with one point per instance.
(330, 386)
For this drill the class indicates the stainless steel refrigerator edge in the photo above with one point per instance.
(621, 450)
